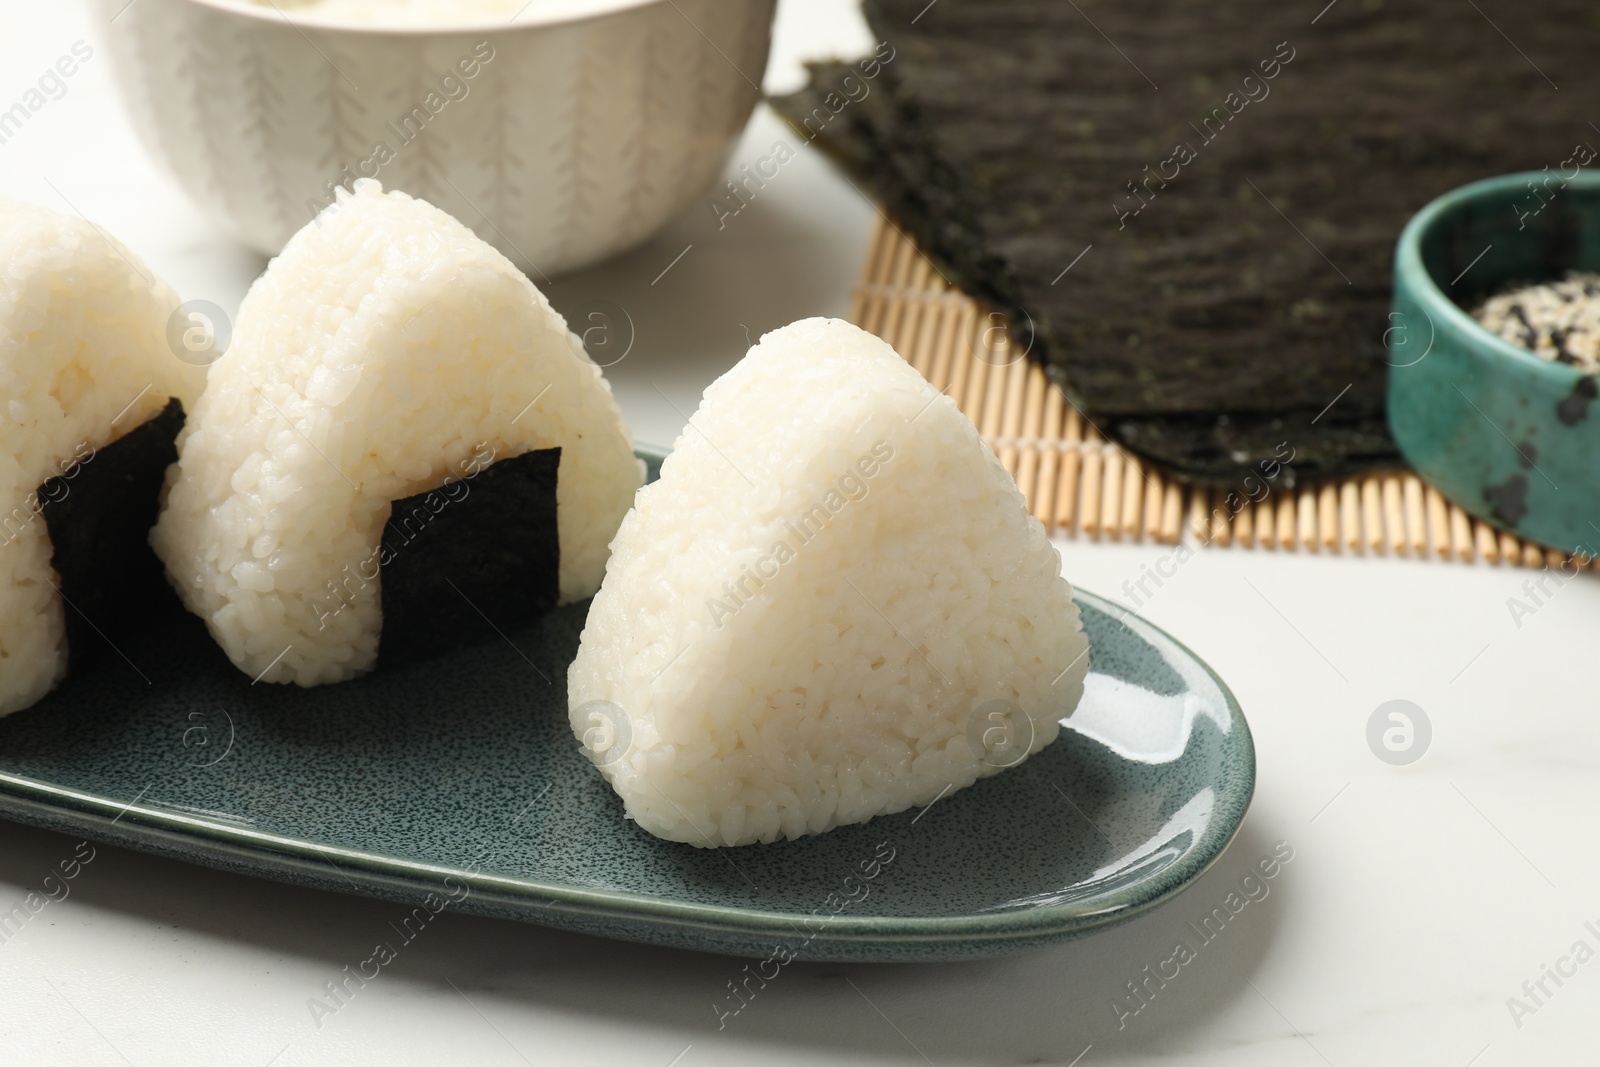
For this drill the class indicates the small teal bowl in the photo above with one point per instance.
(1505, 434)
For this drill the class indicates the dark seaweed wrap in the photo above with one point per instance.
(1233, 299)
(99, 512)
(471, 560)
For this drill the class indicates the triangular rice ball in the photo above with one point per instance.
(84, 360)
(385, 352)
(832, 605)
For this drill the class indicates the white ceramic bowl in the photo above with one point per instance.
(561, 140)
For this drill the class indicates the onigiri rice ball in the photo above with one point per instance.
(833, 605)
(384, 349)
(84, 360)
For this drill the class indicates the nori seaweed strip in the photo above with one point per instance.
(1254, 286)
(99, 513)
(471, 560)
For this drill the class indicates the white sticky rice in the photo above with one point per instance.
(83, 360)
(810, 618)
(379, 353)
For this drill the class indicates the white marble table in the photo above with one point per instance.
(1419, 898)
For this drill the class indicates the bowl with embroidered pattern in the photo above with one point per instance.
(564, 133)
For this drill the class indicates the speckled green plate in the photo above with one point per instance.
(458, 778)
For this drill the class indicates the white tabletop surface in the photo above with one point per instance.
(1419, 900)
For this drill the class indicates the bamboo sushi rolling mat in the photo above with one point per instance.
(1079, 484)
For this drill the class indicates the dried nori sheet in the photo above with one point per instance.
(99, 512)
(1252, 286)
(472, 559)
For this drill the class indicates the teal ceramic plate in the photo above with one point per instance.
(457, 783)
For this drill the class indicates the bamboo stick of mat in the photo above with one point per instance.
(1080, 484)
